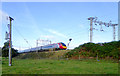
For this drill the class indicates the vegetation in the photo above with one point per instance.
(55, 63)
(100, 50)
(61, 62)
(49, 66)
(43, 55)
(5, 50)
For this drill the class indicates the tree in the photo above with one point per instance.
(5, 50)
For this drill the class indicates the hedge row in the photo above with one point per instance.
(102, 50)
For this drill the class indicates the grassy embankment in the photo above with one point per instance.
(0, 65)
(44, 55)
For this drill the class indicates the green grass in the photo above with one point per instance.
(59, 54)
(43, 55)
(0, 65)
(49, 66)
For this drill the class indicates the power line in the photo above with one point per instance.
(94, 19)
(22, 37)
(76, 33)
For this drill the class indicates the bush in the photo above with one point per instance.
(111, 49)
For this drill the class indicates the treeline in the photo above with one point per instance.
(5, 50)
(100, 50)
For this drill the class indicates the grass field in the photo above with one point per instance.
(0, 65)
(49, 66)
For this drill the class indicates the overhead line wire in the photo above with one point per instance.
(22, 37)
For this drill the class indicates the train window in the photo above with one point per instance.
(63, 44)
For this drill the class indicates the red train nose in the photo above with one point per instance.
(61, 46)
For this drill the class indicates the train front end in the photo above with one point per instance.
(62, 46)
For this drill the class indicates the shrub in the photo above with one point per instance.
(111, 49)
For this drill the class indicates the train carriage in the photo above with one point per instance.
(57, 46)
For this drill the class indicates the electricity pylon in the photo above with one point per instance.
(91, 27)
(94, 19)
(42, 42)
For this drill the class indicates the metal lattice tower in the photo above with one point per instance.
(41, 42)
(94, 19)
(91, 28)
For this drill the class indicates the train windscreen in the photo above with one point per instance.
(63, 44)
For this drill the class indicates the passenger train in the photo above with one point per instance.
(56, 46)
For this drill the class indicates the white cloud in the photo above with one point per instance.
(3, 16)
(20, 48)
(3, 20)
(47, 36)
(56, 33)
(72, 46)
